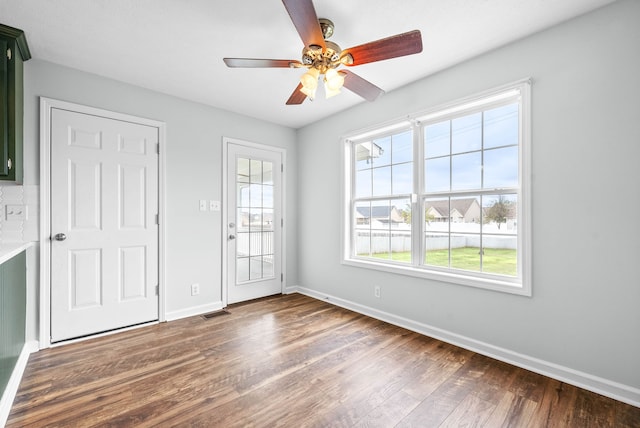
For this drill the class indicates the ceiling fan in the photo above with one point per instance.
(322, 57)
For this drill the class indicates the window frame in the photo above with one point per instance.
(520, 284)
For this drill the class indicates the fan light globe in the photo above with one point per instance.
(333, 80)
(311, 93)
(328, 92)
(309, 79)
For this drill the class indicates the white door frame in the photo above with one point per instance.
(46, 105)
(225, 250)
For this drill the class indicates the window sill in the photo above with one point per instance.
(491, 284)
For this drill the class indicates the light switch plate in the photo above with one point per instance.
(214, 205)
(203, 204)
(15, 212)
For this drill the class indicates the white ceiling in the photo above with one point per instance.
(176, 47)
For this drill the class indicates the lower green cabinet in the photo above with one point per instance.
(13, 306)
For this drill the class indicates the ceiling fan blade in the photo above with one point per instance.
(391, 47)
(261, 63)
(360, 86)
(296, 97)
(305, 19)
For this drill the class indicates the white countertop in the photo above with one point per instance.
(11, 249)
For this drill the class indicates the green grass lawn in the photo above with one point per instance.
(494, 260)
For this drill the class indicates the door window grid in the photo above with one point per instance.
(255, 237)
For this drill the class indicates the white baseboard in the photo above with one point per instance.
(14, 381)
(194, 310)
(617, 391)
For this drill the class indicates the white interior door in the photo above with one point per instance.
(104, 206)
(254, 223)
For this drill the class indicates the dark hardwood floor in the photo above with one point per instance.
(293, 361)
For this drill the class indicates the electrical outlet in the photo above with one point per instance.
(195, 289)
(376, 291)
(203, 204)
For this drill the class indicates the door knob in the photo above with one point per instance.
(60, 237)
(232, 237)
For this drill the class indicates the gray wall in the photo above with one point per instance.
(584, 313)
(193, 169)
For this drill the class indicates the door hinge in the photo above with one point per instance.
(281, 167)
(158, 148)
(157, 219)
(281, 277)
(157, 290)
(281, 222)
(9, 54)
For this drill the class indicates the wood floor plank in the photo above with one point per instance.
(593, 410)
(372, 384)
(388, 413)
(626, 416)
(471, 412)
(292, 361)
(439, 405)
(555, 408)
(512, 411)
(530, 385)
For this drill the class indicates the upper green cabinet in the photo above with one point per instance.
(13, 52)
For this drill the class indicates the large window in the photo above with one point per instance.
(444, 194)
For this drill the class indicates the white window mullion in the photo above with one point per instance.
(349, 199)
(417, 214)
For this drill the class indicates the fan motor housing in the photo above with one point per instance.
(315, 57)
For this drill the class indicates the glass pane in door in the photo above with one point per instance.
(254, 244)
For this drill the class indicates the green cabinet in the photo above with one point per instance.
(12, 315)
(13, 52)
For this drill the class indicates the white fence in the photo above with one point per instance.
(254, 255)
(400, 241)
(254, 243)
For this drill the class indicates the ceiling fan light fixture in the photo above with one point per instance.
(311, 93)
(333, 80)
(321, 56)
(309, 81)
(328, 92)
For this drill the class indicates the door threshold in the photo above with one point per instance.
(102, 334)
(259, 299)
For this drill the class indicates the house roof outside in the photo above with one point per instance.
(443, 209)
(383, 212)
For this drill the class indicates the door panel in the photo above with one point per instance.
(254, 223)
(132, 191)
(132, 279)
(85, 279)
(104, 201)
(84, 191)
